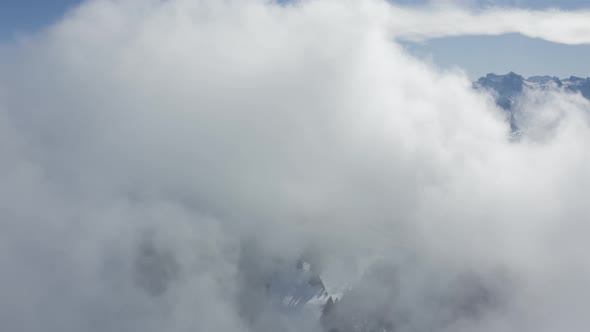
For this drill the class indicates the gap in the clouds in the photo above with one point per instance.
(27, 16)
(479, 55)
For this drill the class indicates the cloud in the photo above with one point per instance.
(418, 24)
(158, 157)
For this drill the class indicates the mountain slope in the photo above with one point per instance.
(507, 88)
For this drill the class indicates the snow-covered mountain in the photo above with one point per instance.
(297, 287)
(509, 87)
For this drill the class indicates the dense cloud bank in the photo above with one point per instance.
(158, 159)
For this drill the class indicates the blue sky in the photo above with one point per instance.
(478, 55)
(23, 16)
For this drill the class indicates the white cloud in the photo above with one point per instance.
(170, 136)
(566, 27)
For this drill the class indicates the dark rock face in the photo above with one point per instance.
(506, 86)
(576, 84)
(275, 292)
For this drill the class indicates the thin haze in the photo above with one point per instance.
(156, 156)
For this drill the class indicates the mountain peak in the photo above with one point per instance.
(509, 87)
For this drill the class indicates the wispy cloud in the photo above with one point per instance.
(566, 27)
